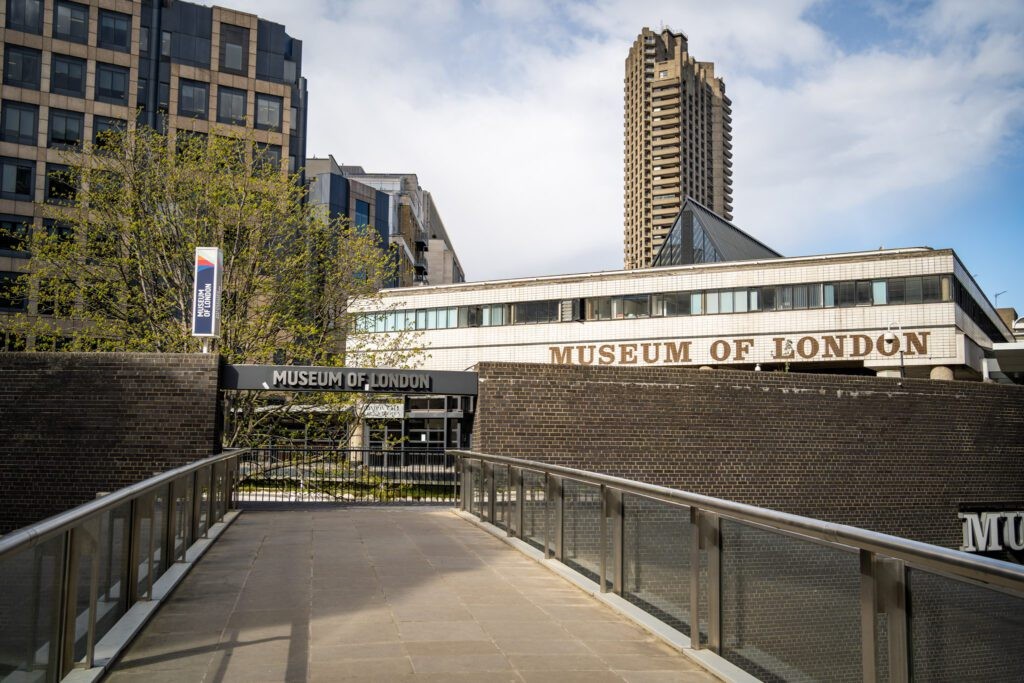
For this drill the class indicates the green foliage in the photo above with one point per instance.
(115, 272)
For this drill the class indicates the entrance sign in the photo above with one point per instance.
(384, 411)
(365, 380)
(206, 298)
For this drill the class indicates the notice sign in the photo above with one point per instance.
(206, 301)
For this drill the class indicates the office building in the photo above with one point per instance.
(913, 312)
(403, 213)
(678, 141)
(75, 69)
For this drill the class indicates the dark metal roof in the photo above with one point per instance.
(732, 243)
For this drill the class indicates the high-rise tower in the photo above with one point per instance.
(678, 140)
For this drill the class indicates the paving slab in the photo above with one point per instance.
(385, 593)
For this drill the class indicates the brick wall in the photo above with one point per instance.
(865, 451)
(75, 424)
(873, 452)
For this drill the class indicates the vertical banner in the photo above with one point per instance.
(206, 301)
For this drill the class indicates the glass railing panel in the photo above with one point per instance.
(581, 527)
(145, 537)
(29, 605)
(203, 499)
(963, 632)
(534, 508)
(112, 589)
(477, 477)
(501, 496)
(790, 607)
(159, 535)
(656, 543)
(180, 510)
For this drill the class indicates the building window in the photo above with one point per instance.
(59, 186)
(268, 112)
(231, 106)
(17, 178)
(234, 49)
(59, 230)
(22, 66)
(71, 22)
(111, 84)
(19, 123)
(362, 216)
(104, 128)
(25, 15)
(12, 291)
(268, 156)
(14, 233)
(165, 43)
(115, 31)
(66, 128)
(192, 99)
(67, 76)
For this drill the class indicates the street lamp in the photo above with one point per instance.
(891, 338)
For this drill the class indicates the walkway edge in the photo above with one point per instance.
(679, 641)
(120, 636)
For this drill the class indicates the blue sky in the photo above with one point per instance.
(857, 124)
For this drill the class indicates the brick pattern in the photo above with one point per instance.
(867, 451)
(898, 458)
(75, 424)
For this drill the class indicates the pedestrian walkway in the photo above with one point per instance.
(385, 594)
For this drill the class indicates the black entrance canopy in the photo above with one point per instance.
(369, 380)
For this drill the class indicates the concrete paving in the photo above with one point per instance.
(385, 594)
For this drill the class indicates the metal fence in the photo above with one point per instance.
(346, 475)
(65, 581)
(786, 598)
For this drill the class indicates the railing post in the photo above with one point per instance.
(695, 546)
(868, 617)
(602, 572)
(618, 520)
(548, 513)
(713, 543)
(170, 526)
(520, 503)
(492, 488)
(891, 575)
(559, 519)
(62, 645)
(509, 510)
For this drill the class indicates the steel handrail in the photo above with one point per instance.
(34, 534)
(925, 555)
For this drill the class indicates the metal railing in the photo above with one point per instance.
(783, 597)
(346, 475)
(65, 581)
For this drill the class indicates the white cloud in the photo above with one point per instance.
(510, 111)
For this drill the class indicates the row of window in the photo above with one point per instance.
(71, 23)
(906, 290)
(19, 123)
(22, 68)
(17, 181)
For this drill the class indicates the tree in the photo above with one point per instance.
(114, 271)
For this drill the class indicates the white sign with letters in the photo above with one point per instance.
(384, 411)
(991, 531)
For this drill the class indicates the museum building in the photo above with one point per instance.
(715, 297)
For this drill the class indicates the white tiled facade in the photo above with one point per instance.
(929, 334)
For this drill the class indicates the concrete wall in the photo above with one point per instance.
(75, 424)
(865, 451)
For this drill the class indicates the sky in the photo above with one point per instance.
(857, 124)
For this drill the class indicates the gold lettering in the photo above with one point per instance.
(917, 343)
(720, 349)
(627, 354)
(588, 358)
(885, 348)
(835, 346)
(677, 353)
(807, 347)
(779, 354)
(657, 352)
(862, 345)
(742, 348)
(561, 356)
(607, 354)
